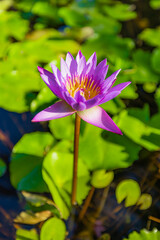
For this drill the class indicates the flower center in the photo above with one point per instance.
(87, 86)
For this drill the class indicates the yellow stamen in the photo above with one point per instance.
(87, 86)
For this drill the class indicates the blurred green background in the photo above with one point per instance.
(36, 33)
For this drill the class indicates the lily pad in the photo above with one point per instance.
(23, 234)
(60, 184)
(143, 71)
(9, 23)
(62, 128)
(26, 161)
(155, 60)
(110, 152)
(151, 36)
(155, 4)
(129, 191)
(138, 131)
(122, 12)
(54, 228)
(144, 235)
(101, 178)
(145, 201)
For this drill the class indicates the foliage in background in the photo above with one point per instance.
(40, 32)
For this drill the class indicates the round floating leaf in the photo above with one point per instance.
(144, 235)
(10, 21)
(54, 166)
(2, 167)
(73, 17)
(45, 9)
(155, 60)
(26, 161)
(110, 152)
(143, 71)
(62, 128)
(52, 229)
(155, 4)
(138, 131)
(129, 191)
(151, 36)
(44, 99)
(122, 12)
(101, 178)
(149, 87)
(145, 201)
(23, 234)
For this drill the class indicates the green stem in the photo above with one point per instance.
(75, 165)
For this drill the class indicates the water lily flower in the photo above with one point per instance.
(81, 86)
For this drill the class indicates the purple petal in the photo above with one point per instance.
(67, 97)
(69, 59)
(110, 80)
(57, 110)
(113, 92)
(78, 57)
(100, 66)
(57, 74)
(91, 64)
(99, 118)
(79, 106)
(49, 79)
(120, 86)
(100, 76)
(81, 68)
(64, 69)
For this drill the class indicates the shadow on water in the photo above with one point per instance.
(12, 127)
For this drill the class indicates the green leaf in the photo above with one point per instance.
(143, 71)
(5, 4)
(26, 161)
(103, 24)
(9, 23)
(45, 9)
(62, 128)
(60, 184)
(12, 71)
(151, 36)
(145, 201)
(43, 50)
(138, 131)
(101, 178)
(129, 191)
(149, 87)
(73, 17)
(22, 234)
(52, 229)
(44, 99)
(119, 11)
(155, 4)
(113, 106)
(144, 235)
(3, 167)
(155, 60)
(111, 152)
(110, 46)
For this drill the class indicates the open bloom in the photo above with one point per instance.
(81, 86)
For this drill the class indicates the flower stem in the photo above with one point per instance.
(86, 204)
(75, 165)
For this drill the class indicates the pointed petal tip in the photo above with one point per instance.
(40, 69)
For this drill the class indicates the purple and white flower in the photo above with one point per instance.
(81, 86)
